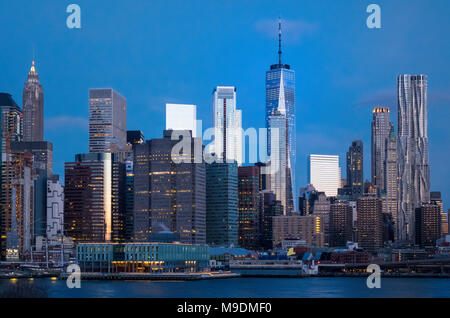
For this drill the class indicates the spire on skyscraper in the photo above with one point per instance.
(279, 41)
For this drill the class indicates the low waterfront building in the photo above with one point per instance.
(142, 257)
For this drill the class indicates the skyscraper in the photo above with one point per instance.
(222, 204)
(269, 207)
(369, 223)
(12, 129)
(341, 223)
(227, 125)
(249, 211)
(324, 173)
(92, 195)
(381, 125)
(19, 226)
(182, 117)
(42, 154)
(391, 179)
(280, 101)
(134, 137)
(435, 198)
(280, 170)
(428, 224)
(169, 196)
(107, 121)
(33, 107)
(413, 167)
(355, 169)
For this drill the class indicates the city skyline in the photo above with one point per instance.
(311, 142)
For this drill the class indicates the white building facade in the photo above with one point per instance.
(227, 125)
(324, 173)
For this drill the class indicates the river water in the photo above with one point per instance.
(320, 287)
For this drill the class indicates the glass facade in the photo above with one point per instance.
(280, 99)
(107, 121)
(222, 211)
(227, 125)
(142, 257)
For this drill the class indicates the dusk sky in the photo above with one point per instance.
(154, 52)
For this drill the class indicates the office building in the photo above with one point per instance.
(306, 199)
(42, 154)
(269, 207)
(107, 121)
(222, 204)
(381, 125)
(182, 117)
(355, 169)
(413, 166)
(321, 208)
(280, 164)
(19, 211)
(169, 196)
(11, 123)
(227, 121)
(92, 194)
(435, 198)
(296, 227)
(324, 173)
(280, 100)
(33, 107)
(428, 224)
(341, 223)
(249, 210)
(134, 137)
(369, 224)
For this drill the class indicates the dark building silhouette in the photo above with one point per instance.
(369, 225)
(428, 224)
(355, 169)
(341, 223)
(134, 137)
(170, 189)
(436, 198)
(249, 219)
(94, 208)
(269, 208)
(222, 204)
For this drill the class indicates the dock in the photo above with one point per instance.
(155, 276)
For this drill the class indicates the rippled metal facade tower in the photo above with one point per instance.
(413, 167)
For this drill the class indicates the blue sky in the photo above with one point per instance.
(154, 52)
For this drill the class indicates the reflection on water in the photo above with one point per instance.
(235, 287)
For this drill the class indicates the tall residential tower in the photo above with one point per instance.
(381, 125)
(413, 167)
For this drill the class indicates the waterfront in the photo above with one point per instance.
(319, 287)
